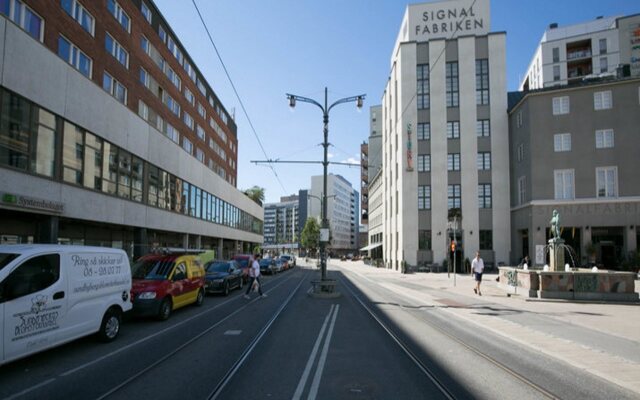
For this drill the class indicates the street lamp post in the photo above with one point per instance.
(325, 120)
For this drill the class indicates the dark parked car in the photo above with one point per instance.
(222, 276)
(243, 263)
(267, 266)
(291, 259)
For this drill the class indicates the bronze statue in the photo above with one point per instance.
(555, 225)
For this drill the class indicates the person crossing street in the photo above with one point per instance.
(254, 274)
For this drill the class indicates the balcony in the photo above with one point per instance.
(578, 54)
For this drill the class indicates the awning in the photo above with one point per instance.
(371, 247)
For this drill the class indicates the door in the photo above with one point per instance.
(34, 303)
(180, 285)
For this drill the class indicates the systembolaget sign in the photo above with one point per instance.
(448, 19)
(16, 200)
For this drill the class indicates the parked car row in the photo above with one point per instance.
(52, 294)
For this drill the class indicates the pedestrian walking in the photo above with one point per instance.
(254, 274)
(477, 267)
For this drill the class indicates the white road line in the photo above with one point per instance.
(312, 358)
(323, 357)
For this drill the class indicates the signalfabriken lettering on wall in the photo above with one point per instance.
(448, 19)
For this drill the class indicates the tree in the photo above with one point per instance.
(310, 237)
(255, 193)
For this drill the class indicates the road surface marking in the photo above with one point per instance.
(323, 357)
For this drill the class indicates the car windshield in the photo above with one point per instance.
(286, 257)
(6, 258)
(218, 267)
(243, 262)
(152, 269)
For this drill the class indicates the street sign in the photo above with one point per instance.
(324, 234)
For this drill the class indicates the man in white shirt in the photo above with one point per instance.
(254, 274)
(477, 267)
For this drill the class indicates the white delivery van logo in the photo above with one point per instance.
(38, 320)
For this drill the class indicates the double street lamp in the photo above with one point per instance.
(324, 237)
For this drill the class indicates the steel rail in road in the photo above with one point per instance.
(456, 339)
(175, 351)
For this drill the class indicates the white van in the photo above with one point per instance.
(52, 294)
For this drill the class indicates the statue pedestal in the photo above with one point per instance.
(556, 255)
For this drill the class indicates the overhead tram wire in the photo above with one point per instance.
(244, 110)
(431, 66)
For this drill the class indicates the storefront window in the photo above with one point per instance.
(109, 168)
(92, 161)
(72, 154)
(124, 174)
(137, 175)
(43, 144)
(14, 131)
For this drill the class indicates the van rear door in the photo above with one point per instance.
(34, 302)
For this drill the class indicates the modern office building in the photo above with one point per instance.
(374, 195)
(575, 149)
(364, 181)
(282, 223)
(445, 137)
(110, 135)
(593, 49)
(342, 211)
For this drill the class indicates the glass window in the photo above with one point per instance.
(424, 240)
(187, 145)
(33, 275)
(482, 81)
(72, 154)
(114, 88)
(486, 239)
(119, 14)
(109, 168)
(146, 12)
(424, 163)
(563, 184)
(116, 50)
(452, 88)
(560, 105)
(484, 195)
(603, 46)
(202, 111)
(124, 174)
(453, 162)
(144, 44)
(453, 130)
(162, 33)
(484, 161)
(189, 96)
(24, 17)
(137, 177)
(604, 138)
(172, 133)
(15, 131)
(43, 143)
(604, 65)
(607, 182)
(483, 128)
(454, 199)
(522, 190)
(423, 86)
(424, 131)
(602, 100)
(200, 132)
(80, 14)
(556, 72)
(562, 142)
(74, 56)
(556, 54)
(92, 174)
(153, 185)
(188, 120)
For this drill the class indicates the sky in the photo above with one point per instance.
(301, 46)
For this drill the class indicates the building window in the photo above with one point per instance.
(454, 198)
(522, 190)
(80, 14)
(187, 145)
(607, 181)
(74, 56)
(484, 195)
(162, 33)
(483, 128)
(556, 54)
(424, 163)
(604, 66)
(200, 132)
(563, 184)
(520, 152)
(424, 131)
(519, 119)
(486, 239)
(561, 142)
(172, 133)
(604, 138)
(114, 88)
(423, 86)
(602, 100)
(424, 197)
(453, 162)
(189, 96)
(190, 71)
(200, 155)
(201, 87)
(144, 44)
(119, 14)
(482, 81)
(145, 11)
(173, 77)
(424, 239)
(173, 105)
(484, 161)
(453, 130)
(116, 50)
(560, 105)
(603, 46)
(173, 48)
(144, 78)
(24, 16)
(188, 120)
(143, 110)
(453, 90)
(202, 111)
(556, 73)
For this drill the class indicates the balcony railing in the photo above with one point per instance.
(578, 54)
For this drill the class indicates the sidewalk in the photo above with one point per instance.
(603, 339)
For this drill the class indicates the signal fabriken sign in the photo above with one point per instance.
(448, 19)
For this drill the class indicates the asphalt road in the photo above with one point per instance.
(370, 343)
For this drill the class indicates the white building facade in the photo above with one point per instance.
(342, 211)
(445, 137)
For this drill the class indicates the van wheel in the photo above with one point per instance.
(226, 288)
(110, 326)
(200, 298)
(165, 309)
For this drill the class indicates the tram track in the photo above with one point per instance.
(431, 375)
